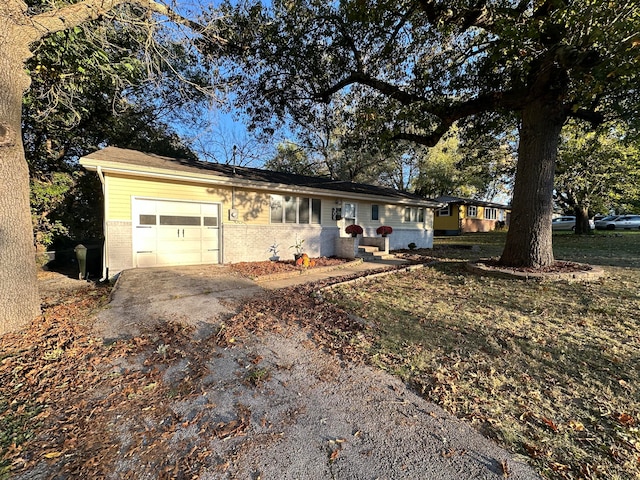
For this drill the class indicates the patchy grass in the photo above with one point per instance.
(550, 370)
(257, 376)
(620, 249)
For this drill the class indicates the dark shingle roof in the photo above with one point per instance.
(136, 158)
(469, 201)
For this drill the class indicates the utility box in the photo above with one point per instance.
(81, 255)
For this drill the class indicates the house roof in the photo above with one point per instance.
(469, 201)
(114, 159)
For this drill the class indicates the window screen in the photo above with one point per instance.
(303, 210)
(290, 209)
(315, 210)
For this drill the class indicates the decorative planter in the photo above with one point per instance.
(354, 230)
(384, 230)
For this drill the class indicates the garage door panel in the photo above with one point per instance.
(175, 233)
(178, 258)
(146, 259)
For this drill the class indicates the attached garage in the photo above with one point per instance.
(169, 232)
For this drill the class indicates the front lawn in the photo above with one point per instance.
(550, 370)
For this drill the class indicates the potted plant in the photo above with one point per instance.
(384, 230)
(354, 230)
(274, 252)
(298, 246)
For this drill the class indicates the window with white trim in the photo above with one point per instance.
(490, 213)
(413, 214)
(472, 211)
(349, 211)
(290, 209)
(445, 212)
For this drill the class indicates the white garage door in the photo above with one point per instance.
(175, 233)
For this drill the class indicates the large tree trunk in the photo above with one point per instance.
(19, 300)
(528, 241)
(582, 219)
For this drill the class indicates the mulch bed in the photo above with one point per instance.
(557, 267)
(260, 269)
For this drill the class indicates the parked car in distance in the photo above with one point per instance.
(601, 223)
(567, 222)
(624, 222)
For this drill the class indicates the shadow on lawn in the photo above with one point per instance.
(603, 248)
(548, 368)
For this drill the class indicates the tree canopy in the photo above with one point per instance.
(426, 64)
(598, 171)
(23, 28)
(90, 88)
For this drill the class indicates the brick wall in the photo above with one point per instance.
(346, 247)
(242, 243)
(472, 225)
(250, 243)
(120, 246)
(400, 239)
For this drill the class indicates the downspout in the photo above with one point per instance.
(105, 269)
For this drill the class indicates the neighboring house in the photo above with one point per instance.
(164, 211)
(463, 215)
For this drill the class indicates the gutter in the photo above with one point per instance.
(105, 269)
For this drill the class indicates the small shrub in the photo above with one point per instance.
(412, 246)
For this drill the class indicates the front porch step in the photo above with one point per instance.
(373, 254)
(368, 248)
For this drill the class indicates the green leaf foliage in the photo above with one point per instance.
(419, 67)
(598, 170)
(94, 86)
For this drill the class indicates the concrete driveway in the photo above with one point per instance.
(316, 417)
(202, 296)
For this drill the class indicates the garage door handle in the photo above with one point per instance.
(144, 251)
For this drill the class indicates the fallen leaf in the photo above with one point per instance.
(550, 424)
(504, 466)
(577, 426)
(625, 419)
(334, 454)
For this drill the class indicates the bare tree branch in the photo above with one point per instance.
(595, 118)
(392, 91)
(74, 15)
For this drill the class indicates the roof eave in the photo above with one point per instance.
(151, 172)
